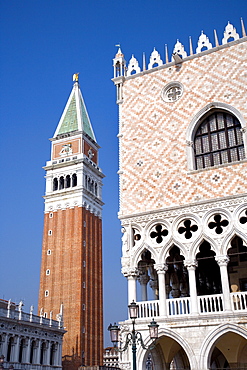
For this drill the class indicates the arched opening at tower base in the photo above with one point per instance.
(167, 355)
(229, 352)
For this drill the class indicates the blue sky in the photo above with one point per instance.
(42, 43)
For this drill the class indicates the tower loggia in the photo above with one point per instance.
(183, 202)
(71, 268)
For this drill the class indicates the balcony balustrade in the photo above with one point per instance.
(208, 304)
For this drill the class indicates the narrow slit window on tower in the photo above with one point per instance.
(48, 252)
(51, 215)
(49, 232)
(46, 293)
(84, 284)
(48, 272)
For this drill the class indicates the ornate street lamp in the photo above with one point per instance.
(134, 336)
(1, 362)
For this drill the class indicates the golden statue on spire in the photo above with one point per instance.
(76, 77)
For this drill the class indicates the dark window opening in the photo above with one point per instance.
(218, 140)
(208, 279)
(74, 180)
(55, 184)
(61, 183)
(67, 181)
(10, 344)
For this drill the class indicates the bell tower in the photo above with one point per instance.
(71, 268)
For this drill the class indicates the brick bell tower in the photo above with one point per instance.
(71, 268)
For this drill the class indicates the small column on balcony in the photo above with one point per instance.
(143, 279)
(155, 288)
(161, 271)
(131, 275)
(223, 262)
(191, 267)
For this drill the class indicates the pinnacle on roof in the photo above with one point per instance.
(75, 116)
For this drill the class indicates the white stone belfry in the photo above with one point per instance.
(119, 64)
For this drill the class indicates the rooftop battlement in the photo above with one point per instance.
(179, 54)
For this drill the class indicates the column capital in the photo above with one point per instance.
(222, 260)
(143, 278)
(130, 272)
(190, 264)
(161, 268)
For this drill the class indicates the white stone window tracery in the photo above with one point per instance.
(220, 140)
(172, 92)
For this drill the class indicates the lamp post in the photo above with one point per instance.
(1, 362)
(134, 336)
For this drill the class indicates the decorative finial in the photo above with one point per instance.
(191, 46)
(243, 29)
(216, 38)
(144, 62)
(76, 77)
(166, 54)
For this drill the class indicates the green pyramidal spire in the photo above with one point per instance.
(75, 116)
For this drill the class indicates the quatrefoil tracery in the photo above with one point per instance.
(159, 234)
(218, 224)
(187, 229)
(243, 219)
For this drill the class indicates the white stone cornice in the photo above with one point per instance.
(172, 212)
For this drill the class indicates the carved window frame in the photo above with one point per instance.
(198, 120)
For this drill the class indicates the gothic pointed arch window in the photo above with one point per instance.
(218, 140)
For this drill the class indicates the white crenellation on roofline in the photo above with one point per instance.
(230, 34)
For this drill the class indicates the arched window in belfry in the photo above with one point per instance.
(218, 140)
(55, 184)
(67, 181)
(74, 180)
(61, 183)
